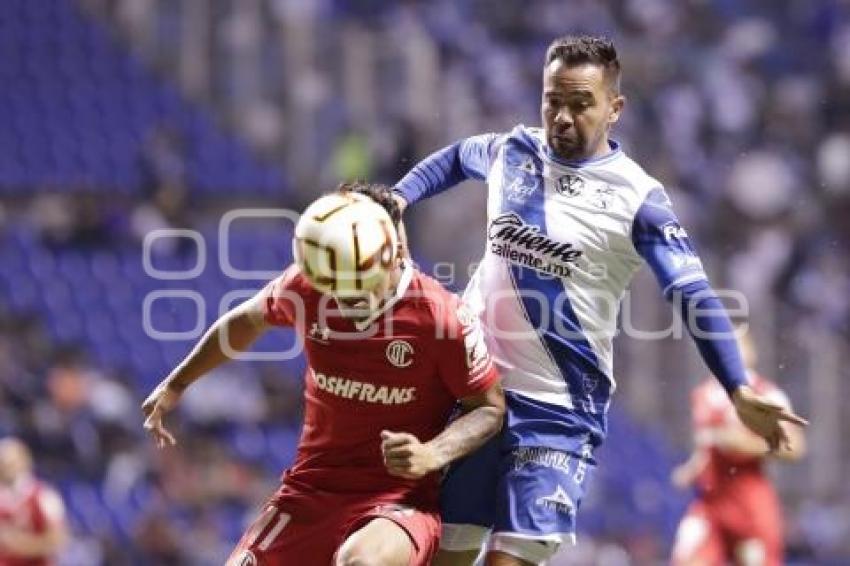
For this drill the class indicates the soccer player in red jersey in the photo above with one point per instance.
(382, 382)
(737, 516)
(32, 516)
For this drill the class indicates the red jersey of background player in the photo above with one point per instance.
(404, 375)
(725, 473)
(737, 515)
(31, 507)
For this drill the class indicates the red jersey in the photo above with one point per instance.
(738, 509)
(403, 374)
(727, 472)
(29, 506)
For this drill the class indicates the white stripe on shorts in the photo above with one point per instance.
(282, 520)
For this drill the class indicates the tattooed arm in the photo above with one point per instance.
(405, 456)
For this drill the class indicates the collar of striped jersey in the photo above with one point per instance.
(400, 290)
(613, 153)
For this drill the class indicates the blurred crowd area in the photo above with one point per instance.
(139, 115)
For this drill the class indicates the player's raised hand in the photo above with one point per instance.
(764, 417)
(406, 457)
(161, 400)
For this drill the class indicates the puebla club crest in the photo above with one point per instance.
(569, 185)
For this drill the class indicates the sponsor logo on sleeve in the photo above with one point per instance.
(672, 231)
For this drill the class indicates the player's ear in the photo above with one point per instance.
(617, 104)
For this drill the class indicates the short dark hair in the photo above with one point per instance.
(577, 50)
(381, 194)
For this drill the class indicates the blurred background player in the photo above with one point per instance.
(571, 219)
(32, 515)
(737, 516)
(385, 369)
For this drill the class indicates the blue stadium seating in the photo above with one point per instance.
(77, 109)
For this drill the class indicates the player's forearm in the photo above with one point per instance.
(712, 332)
(687, 473)
(467, 433)
(234, 332)
(29, 545)
(439, 171)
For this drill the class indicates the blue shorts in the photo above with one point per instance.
(528, 484)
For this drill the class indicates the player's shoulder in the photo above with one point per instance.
(633, 177)
(436, 306)
(292, 280)
(532, 138)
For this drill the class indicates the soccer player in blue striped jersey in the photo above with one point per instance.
(570, 220)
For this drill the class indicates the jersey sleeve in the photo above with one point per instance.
(662, 242)
(281, 298)
(464, 361)
(470, 158)
(476, 155)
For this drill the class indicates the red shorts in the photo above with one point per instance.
(717, 533)
(294, 532)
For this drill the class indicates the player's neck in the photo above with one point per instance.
(603, 149)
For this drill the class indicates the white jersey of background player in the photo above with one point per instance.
(570, 220)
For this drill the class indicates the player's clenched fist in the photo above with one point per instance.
(406, 457)
(161, 400)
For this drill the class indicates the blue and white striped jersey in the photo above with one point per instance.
(563, 242)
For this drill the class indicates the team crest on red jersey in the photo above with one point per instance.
(400, 353)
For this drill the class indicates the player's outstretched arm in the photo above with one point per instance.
(406, 457)
(713, 333)
(684, 475)
(772, 421)
(24, 544)
(234, 332)
(662, 242)
(443, 169)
